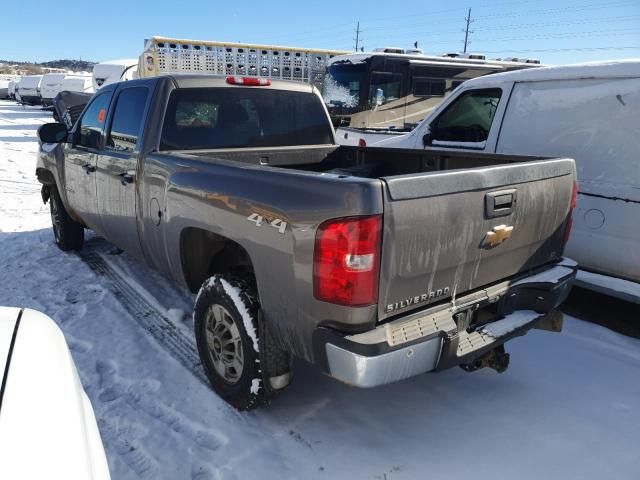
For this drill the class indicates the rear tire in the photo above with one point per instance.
(227, 335)
(68, 234)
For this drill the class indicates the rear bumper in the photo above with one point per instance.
(430, 340)
(30, 99)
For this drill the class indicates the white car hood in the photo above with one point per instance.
(47, 425)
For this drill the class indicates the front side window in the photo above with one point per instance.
(91, 124)
(127, 119)
(245, 117)
(467, 119)
(385, 88)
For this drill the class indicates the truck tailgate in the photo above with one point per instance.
(446, 233)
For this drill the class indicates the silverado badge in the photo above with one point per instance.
(498, 235)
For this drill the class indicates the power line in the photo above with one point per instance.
(560, 36)
(561, 24)
(469, 20)
(580, 49)
(571, 9)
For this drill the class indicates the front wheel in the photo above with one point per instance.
(226, 330)
(68, 233)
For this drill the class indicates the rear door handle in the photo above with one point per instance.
(87, 167)
(126, 177)
(500, 203)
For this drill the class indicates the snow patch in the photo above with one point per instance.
(552, 275)
(176, 314)
(234, 293)
(616, 287)
(339, 94)
(510, 323)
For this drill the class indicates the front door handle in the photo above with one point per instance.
(87, 167)
(126, 177)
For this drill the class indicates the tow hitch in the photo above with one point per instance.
(496, 359)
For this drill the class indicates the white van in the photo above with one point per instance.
(113, 71)
(589, 112)
(77, 83)
(30, 89)
(51, 85)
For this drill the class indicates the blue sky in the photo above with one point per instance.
(553, 30)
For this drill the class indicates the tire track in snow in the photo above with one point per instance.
(148, 316)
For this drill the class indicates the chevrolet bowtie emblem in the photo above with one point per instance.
(498, 235)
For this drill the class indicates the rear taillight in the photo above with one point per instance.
(248, 81)
(569, 222)
(346, 261)
(362, 142)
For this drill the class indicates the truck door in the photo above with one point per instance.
(117, 170)
(80, 161)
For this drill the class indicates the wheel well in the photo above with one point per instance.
(204, 253)
(45, 176)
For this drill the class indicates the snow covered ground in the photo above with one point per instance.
(568, 407)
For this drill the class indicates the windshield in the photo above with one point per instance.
(205, 118)
(343, 84)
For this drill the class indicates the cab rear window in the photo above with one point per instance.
(210, 118)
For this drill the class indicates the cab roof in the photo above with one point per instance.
(194, 80)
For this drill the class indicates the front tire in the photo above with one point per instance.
(68, 234)
(226, 331)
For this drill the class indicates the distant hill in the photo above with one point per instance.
(75, 65)
(12, 66)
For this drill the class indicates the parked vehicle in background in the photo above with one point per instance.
(50, 87)
(30, 89)
(113, 71)
(373, 95)
(47, 425)
(5, 82)
(67, 106)
(235, 189)
(82, 83)
(589, 112)
(170, 55)
(11, 88)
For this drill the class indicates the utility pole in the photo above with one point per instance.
(466, 31)
(357, 39)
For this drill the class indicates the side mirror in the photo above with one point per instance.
(427, 139)
(52, 133)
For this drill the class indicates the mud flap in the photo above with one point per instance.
(276, 360)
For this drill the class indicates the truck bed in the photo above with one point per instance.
(440, 210)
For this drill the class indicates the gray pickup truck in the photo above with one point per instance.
(375, 265)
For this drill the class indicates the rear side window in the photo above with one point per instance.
(127, 119)
(423, 87)
(91, 124)
(469, 118)
(209, 118)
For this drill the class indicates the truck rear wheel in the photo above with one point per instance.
(68, 233)
(227, 335)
